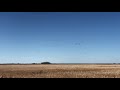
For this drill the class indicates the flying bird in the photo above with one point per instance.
(77, 43)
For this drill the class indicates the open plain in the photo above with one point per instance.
(60, 71)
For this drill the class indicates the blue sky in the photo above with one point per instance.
(60, 37)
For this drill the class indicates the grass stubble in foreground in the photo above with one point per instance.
(60, 71)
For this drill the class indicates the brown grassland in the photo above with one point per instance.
(60, 71)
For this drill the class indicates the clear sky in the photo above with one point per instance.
(60, 37)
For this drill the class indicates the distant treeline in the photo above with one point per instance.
(24, 63)
(57, 63)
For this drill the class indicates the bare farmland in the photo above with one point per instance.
(60, 71)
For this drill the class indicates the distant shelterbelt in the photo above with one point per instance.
(55, 63)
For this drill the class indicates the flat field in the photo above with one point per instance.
(60, 71)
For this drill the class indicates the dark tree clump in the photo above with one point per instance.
(45, 63)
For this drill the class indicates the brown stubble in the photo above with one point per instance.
(60, 71)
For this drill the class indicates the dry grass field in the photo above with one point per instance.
(60, 71)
